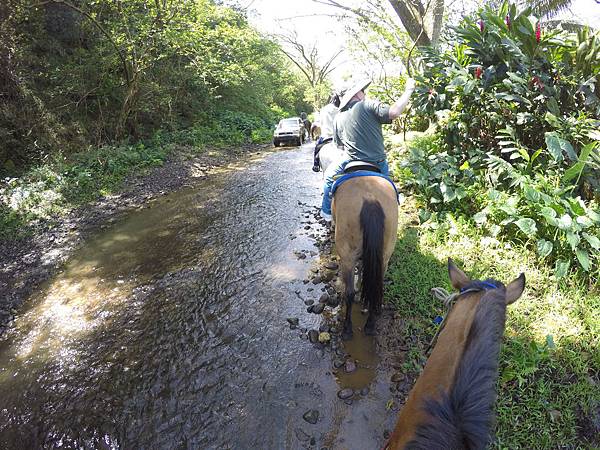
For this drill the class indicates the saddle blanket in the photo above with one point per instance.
(361, 173)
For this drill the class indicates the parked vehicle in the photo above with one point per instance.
(289, 131)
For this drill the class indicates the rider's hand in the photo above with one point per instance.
(410, 84)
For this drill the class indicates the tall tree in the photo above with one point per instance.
(313, 66)
(422, 19)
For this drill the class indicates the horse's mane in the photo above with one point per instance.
(463, 418)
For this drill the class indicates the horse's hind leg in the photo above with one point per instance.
(349, 292)
(370, 323)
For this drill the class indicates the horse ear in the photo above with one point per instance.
(457, 276)
(515, 289)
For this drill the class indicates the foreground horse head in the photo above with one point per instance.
(365, 210)
(451, 404)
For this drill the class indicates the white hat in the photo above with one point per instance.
(360, 85)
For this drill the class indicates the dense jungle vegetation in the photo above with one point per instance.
(498, 157)
(91, 90)
(499, 166)
(506, 181)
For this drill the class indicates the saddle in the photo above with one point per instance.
(360, 173)
(355, 166)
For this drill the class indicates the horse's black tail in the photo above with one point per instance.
(372, 222)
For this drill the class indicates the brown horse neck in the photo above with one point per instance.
(438, 374)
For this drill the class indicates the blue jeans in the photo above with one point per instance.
(337, 168)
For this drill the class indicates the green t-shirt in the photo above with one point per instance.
(358, 129)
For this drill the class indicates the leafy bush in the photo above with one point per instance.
(517, 146)
(225, 128)
(89, 74)
(47, 191)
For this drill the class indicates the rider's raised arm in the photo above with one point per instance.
(398, 108)
(380, 110)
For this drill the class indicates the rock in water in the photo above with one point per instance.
(345, 394)
(293, 320)
(331, 265)
(324, 337)
(397, 377)
(313, 336)
(301, 435)
(311, 416)
(318, 308)
(323, 327)
(350, 366)
(333, 302)
(327, 276)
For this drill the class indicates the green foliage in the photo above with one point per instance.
(548, 390)
(227, 128)
(95, 72)
(48, 191)
(516, 149)
(89, 82)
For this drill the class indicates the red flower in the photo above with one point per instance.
(478, 72)
(481, 25)
(537, 82)
(538, 32)
(508, 22)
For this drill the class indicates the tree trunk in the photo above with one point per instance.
(435, 19)
(423, 23)
(412, 21)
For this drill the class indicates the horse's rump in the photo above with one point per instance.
(365, 210)
(350, 196)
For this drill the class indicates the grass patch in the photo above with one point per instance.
(549, 386)
(49, 191)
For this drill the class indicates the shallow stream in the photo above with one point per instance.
(168, 329)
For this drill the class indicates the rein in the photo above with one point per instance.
(450, 300)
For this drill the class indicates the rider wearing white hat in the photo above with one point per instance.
(358, 130)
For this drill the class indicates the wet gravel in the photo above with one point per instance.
(208, 353)
(27, 262)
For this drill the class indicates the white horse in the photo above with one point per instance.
(328, 154)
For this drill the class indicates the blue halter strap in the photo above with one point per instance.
(479, 285)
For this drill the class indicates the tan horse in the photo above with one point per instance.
(365, 211)
(451, 404)
(315, 131)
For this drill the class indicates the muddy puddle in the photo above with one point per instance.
(169, 329)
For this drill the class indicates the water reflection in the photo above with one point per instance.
(168, 330)
(363, 350)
